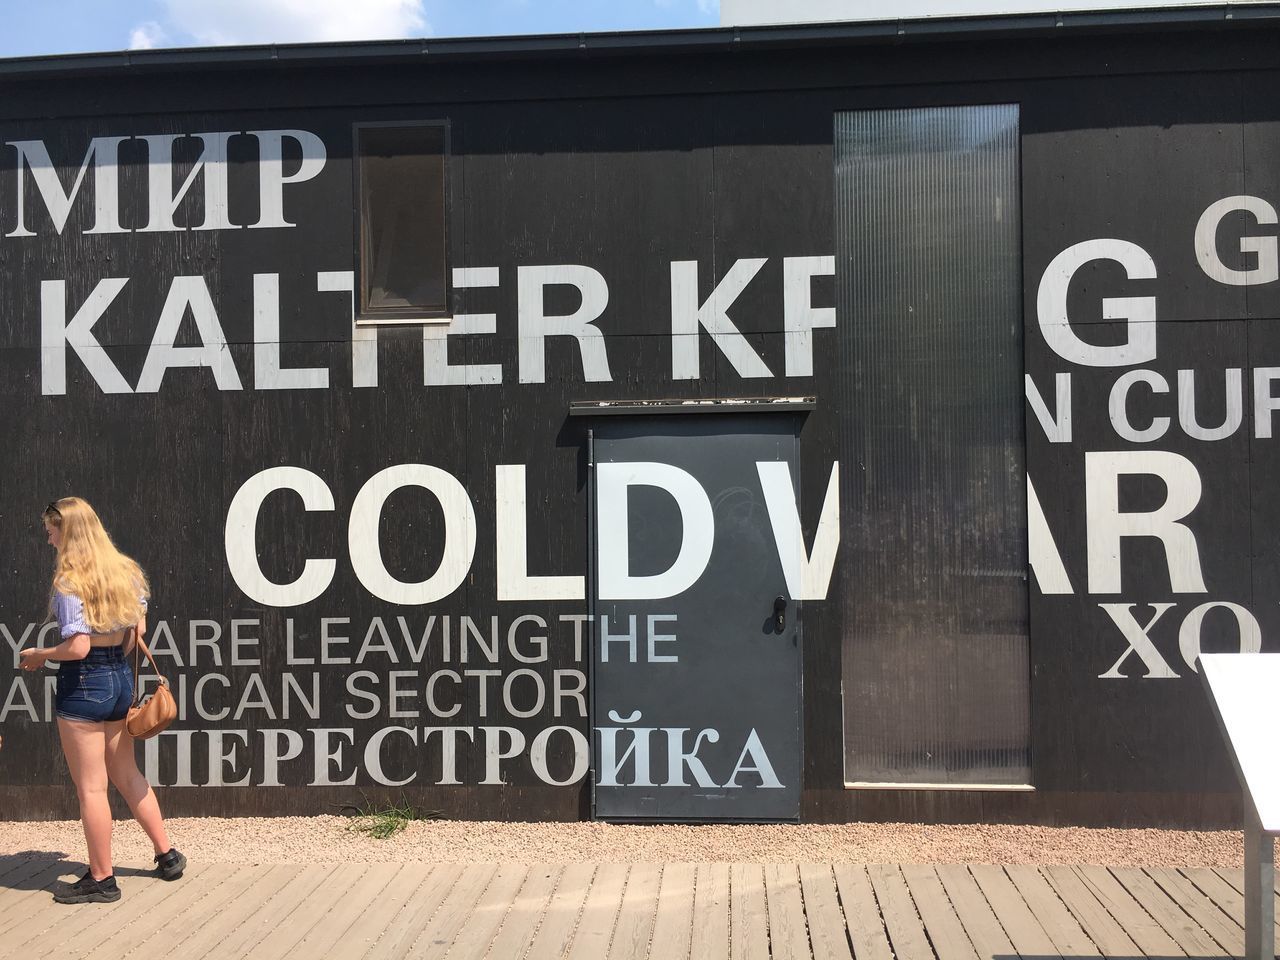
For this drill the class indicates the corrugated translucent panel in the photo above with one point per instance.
(928, 272)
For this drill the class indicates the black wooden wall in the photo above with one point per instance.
(622, 164)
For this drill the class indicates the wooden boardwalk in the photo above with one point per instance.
(604, 911)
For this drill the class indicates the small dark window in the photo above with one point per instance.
(402, 242)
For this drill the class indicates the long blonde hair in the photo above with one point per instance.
(110, 585)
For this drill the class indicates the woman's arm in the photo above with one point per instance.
(75, 647)
(137, 633)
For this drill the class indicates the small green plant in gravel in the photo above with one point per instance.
(381, 821)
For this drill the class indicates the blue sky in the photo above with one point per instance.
(36, 27)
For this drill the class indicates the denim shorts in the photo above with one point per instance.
(95, 689)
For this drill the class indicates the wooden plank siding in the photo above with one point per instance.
(675, 911)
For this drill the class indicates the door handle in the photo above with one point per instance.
(780, 613)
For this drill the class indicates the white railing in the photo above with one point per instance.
(1244, 689)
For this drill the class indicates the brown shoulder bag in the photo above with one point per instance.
(146, 719)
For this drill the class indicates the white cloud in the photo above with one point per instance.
(147, 36)
(296, 21)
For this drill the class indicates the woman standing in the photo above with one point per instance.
(99, 597)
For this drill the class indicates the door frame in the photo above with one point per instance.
(797, 406)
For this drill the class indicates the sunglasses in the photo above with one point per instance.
(53, 508)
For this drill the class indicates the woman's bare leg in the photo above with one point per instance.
(84, 746)
(122, 768)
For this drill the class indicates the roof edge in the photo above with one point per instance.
(1222, 16)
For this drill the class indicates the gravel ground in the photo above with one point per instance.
(332, 839)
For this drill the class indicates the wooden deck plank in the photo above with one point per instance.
(861, 913)
(30, 916)
(286, 932)
(1235, 879)
(1226, 932)
(20, 879)
(710, 931)
(1068, 936)
(634, 927)
(360, 896)
(905, 931)
(41, 915)
(979, 922)
(472, 941)
(599, 912)
(828, 936)
(30, 886)
(673, 926)
(142, 903)
(1020, 924)
(236, 880)
(14, 867)
(438, 933)
(10, 862)
(190, 894)
(1107, 934)
(367, 926)
(522, 920)
(41, 919)
(234, 931)
(620, 912)
(1138, 925)
(1223, 893)
(553, 935)
(418, 908)
(941, 921)
(1188, 935)
(240, 900)
(748, 913)
(788, 937)
(1211, 884)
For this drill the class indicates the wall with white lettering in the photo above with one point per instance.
(368, 546)
(1151, 300)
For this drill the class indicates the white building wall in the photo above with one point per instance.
(757, 12)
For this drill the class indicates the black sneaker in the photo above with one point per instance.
(89, 890)
(170, 865)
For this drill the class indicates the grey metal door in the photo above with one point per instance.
(696, 691)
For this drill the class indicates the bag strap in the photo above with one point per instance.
(139, 646)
